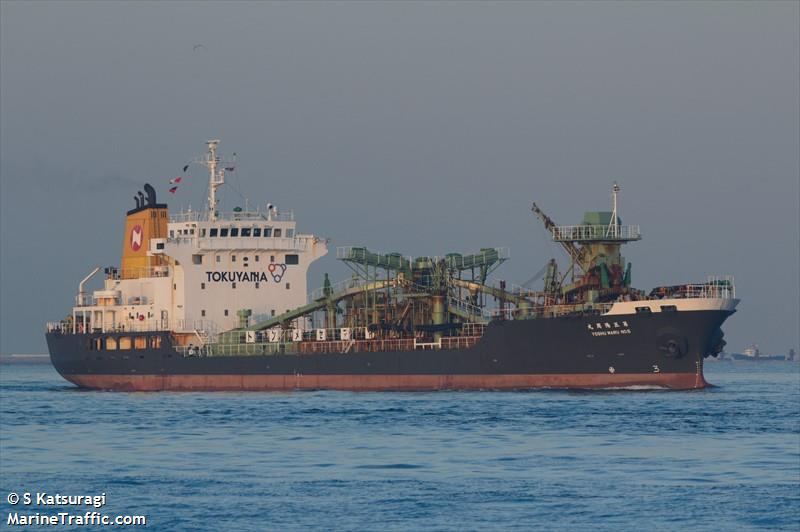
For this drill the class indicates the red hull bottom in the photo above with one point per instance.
(676, 381)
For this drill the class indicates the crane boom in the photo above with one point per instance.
(572, 250)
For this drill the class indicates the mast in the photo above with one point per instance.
(215, 178)
(613, 224)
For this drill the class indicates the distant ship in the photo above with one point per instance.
(217, 301)
(753, 353)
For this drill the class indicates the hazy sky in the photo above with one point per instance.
(422, 128)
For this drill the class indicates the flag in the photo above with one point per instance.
(172, 190)
(185, 168)
(176, 180)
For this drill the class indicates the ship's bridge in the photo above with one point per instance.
(271, 230)
(597, 227)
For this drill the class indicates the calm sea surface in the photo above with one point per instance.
(726, 458)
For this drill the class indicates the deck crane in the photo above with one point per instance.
(575, 253)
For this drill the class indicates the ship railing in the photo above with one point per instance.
(396, 261)
(459, 342)
(335, 288)
(209, 350)
(137, 273)
(198, 216)
(349, 284)
(194, 350)
(465, 307)
(59, 326)
(717, 287)
(567, 233)
(427, 346)
(84, 300)
(472, 329)
(548, 311)
(297, 243)
(511, 288)
(279, 335)
(353, 345)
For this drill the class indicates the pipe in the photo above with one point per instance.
(438, 315)
(81, 291)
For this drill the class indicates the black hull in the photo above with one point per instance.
(566, 352)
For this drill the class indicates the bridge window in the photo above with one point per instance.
(203, 231)
(197, 259)
(289, 233)
(171, 233)
(212, 231)
(277, 232)
(643, 310)
(246, 231)
(668, 308)
(234, 231)
(267, 232)
(223, 231)
(292, 259)
(256, 231)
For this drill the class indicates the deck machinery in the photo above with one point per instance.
(390, 295)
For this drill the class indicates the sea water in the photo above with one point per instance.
(724, 458)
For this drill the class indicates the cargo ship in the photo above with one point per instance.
(209, 300)
(753, 354)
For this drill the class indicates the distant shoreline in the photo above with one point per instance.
(27, 358)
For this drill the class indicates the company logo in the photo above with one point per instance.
(136, 237)
(277, 271)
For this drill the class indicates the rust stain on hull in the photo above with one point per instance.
(676, 381)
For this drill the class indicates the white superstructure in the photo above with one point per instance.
(194, 271)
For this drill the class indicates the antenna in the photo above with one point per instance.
(215, 179)
(613, 224)
(216, 174)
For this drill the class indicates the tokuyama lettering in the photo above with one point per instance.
(276, 272)
(237, 277)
